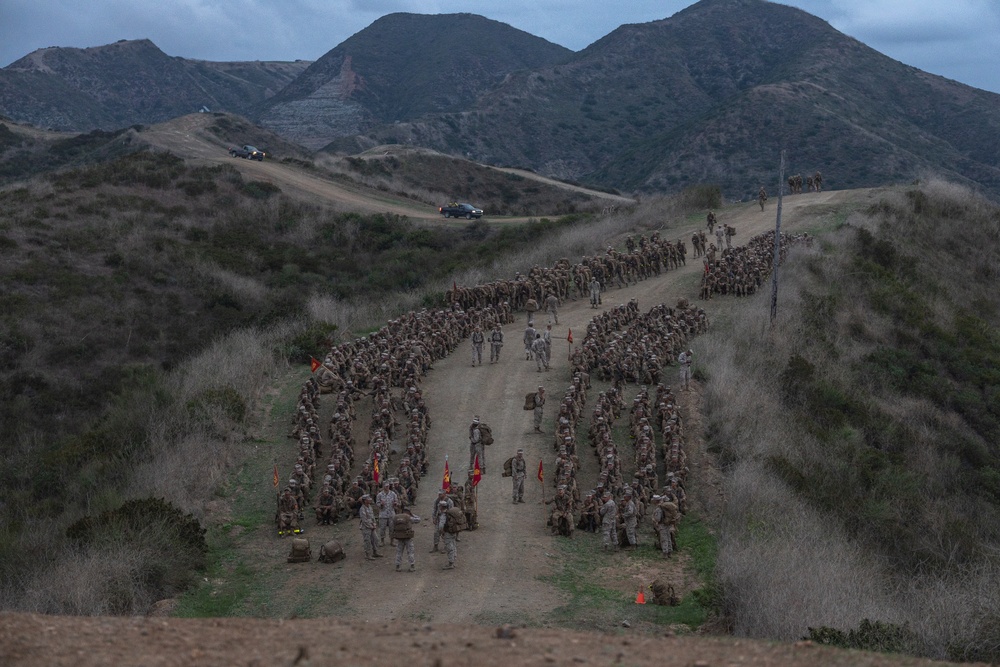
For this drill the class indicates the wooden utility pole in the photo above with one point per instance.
(777, 243)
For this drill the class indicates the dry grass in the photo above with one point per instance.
(787, 564)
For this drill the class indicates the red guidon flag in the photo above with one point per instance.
(541, 475)
(314, 364)
(275, 478)
(477, 474)
(446, 482)
(375, 470)
(569, 335)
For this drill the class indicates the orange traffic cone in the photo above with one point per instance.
(640, 598)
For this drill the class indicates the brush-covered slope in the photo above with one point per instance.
(714, 93)
(402, 66)
(129, 82)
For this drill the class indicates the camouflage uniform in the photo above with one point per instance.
(539, 407)
(519, 471)
(450, 547)
(609, 522)
(402, 532)
(368, 528)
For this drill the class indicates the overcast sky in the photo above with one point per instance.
(959, 39)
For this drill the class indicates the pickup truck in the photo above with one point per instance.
(248, 152)
(455, 210)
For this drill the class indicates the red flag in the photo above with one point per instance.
(477, 474)
(541, 475)
(275, 478)
(446, 482)
(454, 286)
(569, 335)
(314, 364)
(375, 470)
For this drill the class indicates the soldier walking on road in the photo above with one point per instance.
(519, 471)
(595, 293)
(477, 346)
(529, 339)
(539, 406)
(538, 350)
(552, 307)
(496, 343)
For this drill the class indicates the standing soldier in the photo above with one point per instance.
(538, 350)
(402, 532)
(450, 532)
(529, 338)
(711, 221)
(539, 406)
(730, 233)
(368, 528)
(386, 501)
(685, 359)
(519, 471)
(496, 342)
(595, 292)
(630, 518)
(441, 505)
(762, 197)
(552, 307)
(665, 517)
(476, 446)
(720, 232)
(609, 522)
(477, 345)
(547, 337)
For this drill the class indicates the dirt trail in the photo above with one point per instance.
(497, 579)
(500, 564)
(188, 137)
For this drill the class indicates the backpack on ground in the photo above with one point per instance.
(331, 552)
(300, 552)
(455, 521)
(486, 433)
(529, 401)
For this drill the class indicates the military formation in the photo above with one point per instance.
(616, 507)
(742, 270)
(380, 375)
(814, 183)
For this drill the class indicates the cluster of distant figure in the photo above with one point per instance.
(615, 506)
(542, 286)
(742, 270)
(814, 183)
(387, 367)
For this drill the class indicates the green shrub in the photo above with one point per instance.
(869, 636)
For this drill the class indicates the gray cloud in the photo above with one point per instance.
(950, 39)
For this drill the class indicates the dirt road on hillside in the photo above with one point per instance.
(188, 137)
(501, 566)
(399, 618)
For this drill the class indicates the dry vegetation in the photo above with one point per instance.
(862, 466)
(146, 306)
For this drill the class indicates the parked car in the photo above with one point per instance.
(248, 152)
(456, 210)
